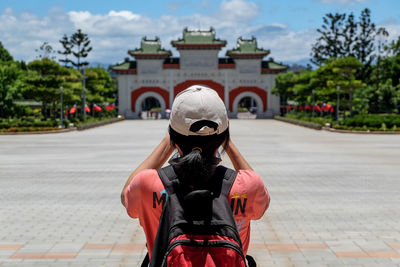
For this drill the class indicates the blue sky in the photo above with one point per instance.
(286, 27)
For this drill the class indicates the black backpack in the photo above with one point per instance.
(197, 227)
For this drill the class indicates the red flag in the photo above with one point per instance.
(289, 107)
(96, 108)
(73, 110)
(110, 107)
(331, 109)
(294, 107)
(302, 108)
(328, 107)
(317, 108)
(308, 107)
(87, 109)
(66, 112)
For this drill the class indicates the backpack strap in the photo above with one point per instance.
(250, 261)
(146, 261)
(167, 176)
(229, 179)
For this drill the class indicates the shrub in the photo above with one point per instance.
(373, 121)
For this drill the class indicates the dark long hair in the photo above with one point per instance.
(195, 166)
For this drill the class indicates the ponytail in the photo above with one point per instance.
(193, 169)
(197, 164)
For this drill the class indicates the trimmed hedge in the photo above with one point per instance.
(31, 124)
(28, 122)
(322, 121)
(27, 129)
(374, 121)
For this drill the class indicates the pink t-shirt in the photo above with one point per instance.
(144, 198)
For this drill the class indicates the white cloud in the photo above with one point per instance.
(114, 33)
(392, 27)
(285, 44)
(239, 10)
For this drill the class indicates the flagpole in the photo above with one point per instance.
(84, 94)
(61, 106)
(313, 100)
(337, 103)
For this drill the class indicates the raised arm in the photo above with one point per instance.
(155, 161)
(238, 161)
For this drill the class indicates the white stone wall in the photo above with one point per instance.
(199, 59)
(151, 74)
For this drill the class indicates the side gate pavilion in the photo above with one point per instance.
(242, 78)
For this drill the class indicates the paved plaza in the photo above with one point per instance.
(335, 198)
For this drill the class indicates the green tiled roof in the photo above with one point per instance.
(126, 65)
(199, 37)
(152, 47)
(273, 65)
(247, 47)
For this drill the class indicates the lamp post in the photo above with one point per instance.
(61, 106)
(337, 103)
(313, 100)
(84, 93)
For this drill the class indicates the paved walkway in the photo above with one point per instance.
(335, 197)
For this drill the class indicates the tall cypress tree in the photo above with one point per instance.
(330, 42)
(67, 45)
(80, 42)
(350, 36)
(342, 36)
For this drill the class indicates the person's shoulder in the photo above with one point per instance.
(146, 177)
(248, 179)
(248, 174)
(147, 173)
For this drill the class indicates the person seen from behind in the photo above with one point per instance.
(198, 127)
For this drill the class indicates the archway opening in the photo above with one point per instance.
(247, 108)
(151, 108)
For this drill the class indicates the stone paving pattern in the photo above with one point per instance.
(335, 197)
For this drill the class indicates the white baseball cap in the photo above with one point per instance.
(198, 110)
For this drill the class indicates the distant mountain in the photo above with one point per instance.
(299, 65)
(99, 64)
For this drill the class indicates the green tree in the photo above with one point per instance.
(10, 84)
(4, 54)
(100, 86)
(341, 36)
(365, 45)
(43, 82)
(376, 71)
(363, 99)
(67, 46)
(302, 89)
(80, 48)
(388, 97)
(349, 36)
(389, 68)
(346, 70)
(73, 89)
(330, 42)
(283, 83)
